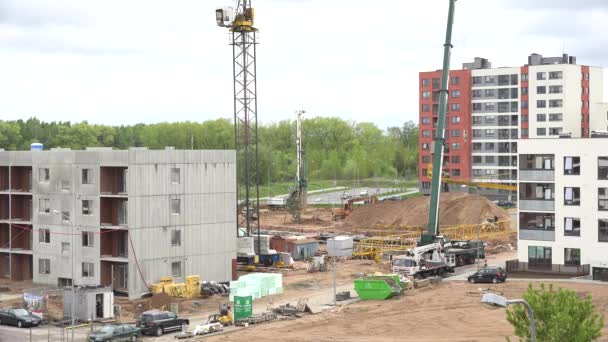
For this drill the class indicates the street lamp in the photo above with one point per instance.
(495, 300)
(73, 247)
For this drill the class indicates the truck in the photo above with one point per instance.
(437, 258)
(277, 202)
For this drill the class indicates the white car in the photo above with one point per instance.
(364, 193)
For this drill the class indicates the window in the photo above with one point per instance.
(455, 80)
(489, 159)
(176, 269)
(87, 239)
(435, 82)
(572, 257)
(476, 133)
(541, 104)
(489, 93)
(490, 106)
(524, 77)
(555, 75)
(426, 185)
(602, 199)
(539, 257)
(426, 108)
(65, 247)
(602, 230)
(425, 146)
(541, 131)
(572, 226)
(572, 196)
(572, 165)
(455, 107)
(476, 93)
(541, 117)
(44, 174)
(477, 172)
(455, 133)
(426, 133)
(65, 184)
(524, 104)
(489, 79)
(490, 132)
(87, 176)
(455, 159)
(476, 146)
(425, 172)
(65, 216)
(44, 205)
(426, 159)
(490, 172)
(426, 121)
(476, 79)
(87, 269)
(555, 103)
(555, 130)
(176, 237)
(44, 235)
(175, 206)
(476, 106)
(44, 266)
(175, 175)
(541, 76)
(426, 94)
(456, 119)
(489, 146)
(87, 207)
(456, 172)
(556, 117)
(425, 82)
(524, 132)
(455, 146)
(602, 167)
(455, 93)
(541, 90)
(556, 89)
(524, 90)
(477, 160)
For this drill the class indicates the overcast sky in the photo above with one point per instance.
(130, 61)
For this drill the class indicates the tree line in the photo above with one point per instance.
(335, 148)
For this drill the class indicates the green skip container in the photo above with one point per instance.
(379, 287)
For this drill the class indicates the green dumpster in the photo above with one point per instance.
(379, 286)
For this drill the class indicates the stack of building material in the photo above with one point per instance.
(162, 286)
(244, 246)
(264, 244)
(257, 285)
(193, 286)
(176, 290)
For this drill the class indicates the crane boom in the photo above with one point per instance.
(439, 139)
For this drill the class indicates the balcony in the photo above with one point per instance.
(21, 239)
(21, 208)
(114, 245)
(21, 179)
(4, 181)
(113, 181)
(537, 175)
(537, 234)
(536, 205)
(113, 211)
(556, 270)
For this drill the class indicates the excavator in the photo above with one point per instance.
(347, 209)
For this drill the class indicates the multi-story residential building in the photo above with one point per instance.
(546, 98)
(563, 206)
(117, 218)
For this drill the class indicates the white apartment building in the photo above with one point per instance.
(563, 206)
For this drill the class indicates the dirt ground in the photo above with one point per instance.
(451, 311)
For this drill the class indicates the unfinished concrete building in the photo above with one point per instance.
(126, 218)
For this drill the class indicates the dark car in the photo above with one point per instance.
(488, 275)
(115, 332)
(19, 317)
(158, 322)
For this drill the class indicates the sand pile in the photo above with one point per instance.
(455, 208)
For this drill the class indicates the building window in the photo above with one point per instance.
(541, 117)
(87, 176)
(602, 167)
(426, 108)
(556, 117)
(489, 159)
(455, 107)
(555, 130)
(556, 103)
(65, 247)
(572, 196)
(541, 90)
(572, 165)
(477, 172)
(477, 106)
(572, 256)
(44, 174)
(176, 269)
(489, 93)
(426, 159)
(524, 77)
(541, 131)
(176, 237)
(455, 80)
(44, 266)
(572, 226)
(477, 146)
(425, 146)
(476, 133)
(65, 184)
(87, 269)
(456, 119)
(175, 175)
(426, 94)
(602, 199)
(455, 132)
(524, 104)
(426, 121)
(456, 172)
(455, 146)
(524, 90)
(455, 159)
(425, 82)
(455, 93)
(476, 93)
(44, 235)
(489, 146)
(489, 79)
(44, 205)
(541, 76)
(476, 79)
(541, 104)
(426, 133)
(175, 206)
(539, 257)
(435, 82)
(490, 132)
(426, 185)
(477, 160)
(602, 230)
(88, 239)
(524, 132)
(87, 207)
(65, 216)
(425, 172)
(490, 172)
(555, 75)
(556, 89)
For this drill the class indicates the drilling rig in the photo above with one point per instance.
(243, 39)
(297, 197)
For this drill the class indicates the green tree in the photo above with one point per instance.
(560, 316)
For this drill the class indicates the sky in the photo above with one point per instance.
(125, 62)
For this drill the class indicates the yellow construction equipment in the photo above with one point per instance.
(342, 213)
(445, 178)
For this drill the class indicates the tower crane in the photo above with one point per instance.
(244, 40)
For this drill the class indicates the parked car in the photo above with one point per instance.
(19, 317)
(488, 275)
(345, 196)
(363, 192)
(115, 332)
(156, 322)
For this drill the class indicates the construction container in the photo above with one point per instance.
(340, 246)
(278, 243)
(379, 287)
(244, 246)
(89, 303)
(264, 244)
(302, 248)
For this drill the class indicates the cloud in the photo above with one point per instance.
(41, 13)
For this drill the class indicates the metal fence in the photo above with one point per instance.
(516, 266)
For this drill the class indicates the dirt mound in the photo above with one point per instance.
(455, 208)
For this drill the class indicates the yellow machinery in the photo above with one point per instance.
(342, 213)
(445, 178)
(224, 316)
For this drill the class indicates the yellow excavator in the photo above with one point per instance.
(347, 209)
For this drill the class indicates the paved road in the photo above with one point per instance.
(335, 197)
